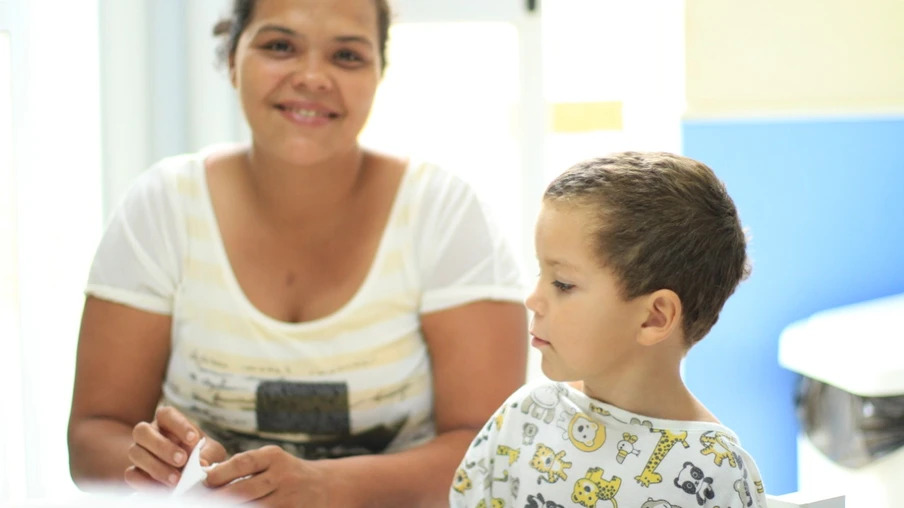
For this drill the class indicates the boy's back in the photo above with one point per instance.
(551, 445)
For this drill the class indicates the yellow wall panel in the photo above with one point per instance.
(587, 116)
(794, 57)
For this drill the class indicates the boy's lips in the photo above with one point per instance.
(537, 341)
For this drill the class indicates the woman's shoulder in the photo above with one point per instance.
(171, 172)
(438, 178)
(183, 175)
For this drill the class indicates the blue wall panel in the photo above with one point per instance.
(824, 201)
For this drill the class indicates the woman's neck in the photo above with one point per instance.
(287, 192)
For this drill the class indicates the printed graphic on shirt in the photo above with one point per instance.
(538, 501)
(692, 480)
(666, 442)
(332, 446)
(742, 485)
(593, 488)
(511, 453)
(626, 447)
(542, 402)
(714, 443)
(658, 503)
(311, 408)
(551, 463)
(529, 431)
(581, 430)
(462, 482)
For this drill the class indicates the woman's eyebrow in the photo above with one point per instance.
(277, 28)
(288, 31)
(354, 38)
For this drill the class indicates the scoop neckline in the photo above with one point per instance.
(235, 287)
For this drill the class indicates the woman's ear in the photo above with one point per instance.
(663, 317)
(231, 62)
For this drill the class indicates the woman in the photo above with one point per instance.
(299, 292)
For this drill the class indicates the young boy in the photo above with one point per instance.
(638, 252)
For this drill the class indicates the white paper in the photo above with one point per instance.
(193, 473)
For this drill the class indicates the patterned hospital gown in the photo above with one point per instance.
(552, 446)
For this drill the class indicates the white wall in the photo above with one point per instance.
(57, 218)
(162, 93)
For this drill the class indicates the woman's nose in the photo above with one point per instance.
(312, 74)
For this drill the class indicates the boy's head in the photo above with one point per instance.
(635, 240)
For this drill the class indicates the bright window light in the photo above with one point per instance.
(12, 450)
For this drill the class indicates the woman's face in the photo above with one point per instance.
(306, 72)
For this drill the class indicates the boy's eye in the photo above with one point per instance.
(563, 287)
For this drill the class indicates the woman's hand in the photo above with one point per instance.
(161, 449)
(275, 478)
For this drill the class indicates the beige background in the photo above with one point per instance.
(794, 57)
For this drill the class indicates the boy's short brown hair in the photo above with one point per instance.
(661, 221)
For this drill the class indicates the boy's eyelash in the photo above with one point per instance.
(561, 286)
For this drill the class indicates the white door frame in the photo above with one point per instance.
(532, 111)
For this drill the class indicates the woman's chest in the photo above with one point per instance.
(364, 378)
(301, 277)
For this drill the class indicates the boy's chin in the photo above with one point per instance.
(560, 377)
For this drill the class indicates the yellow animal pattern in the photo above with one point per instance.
(666, 442)
(759, 486)
(500, 417)
(496, 503)
(585, 434)
(714, 444)
(626, 447)
(461, 483)
(511, 453)
(592, 488)
(548, 461)
(600, 411)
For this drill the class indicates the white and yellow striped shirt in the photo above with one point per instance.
(356, 381)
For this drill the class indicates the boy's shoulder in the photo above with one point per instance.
(540, 398)
(553, 433)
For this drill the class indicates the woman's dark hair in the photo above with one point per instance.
(242, 10)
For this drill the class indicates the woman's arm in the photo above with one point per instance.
(479, 357)
(122, 356)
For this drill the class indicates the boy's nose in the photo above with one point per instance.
(534, 302)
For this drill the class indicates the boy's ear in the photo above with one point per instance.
(663, 317)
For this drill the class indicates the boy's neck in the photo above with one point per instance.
(651, 386)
